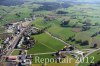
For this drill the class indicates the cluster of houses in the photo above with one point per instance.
(15, 30)
(26, 42)
(6, 42)
(66, 51)
(33, 17)
(13, 27)
(21, 60)
(63, 53)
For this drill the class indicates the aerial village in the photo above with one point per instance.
(19, 38)
(19, 33)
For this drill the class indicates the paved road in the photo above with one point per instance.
(89, 54)
(15, 41)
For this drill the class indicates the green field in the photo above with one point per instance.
(44, 44)
(15, 52)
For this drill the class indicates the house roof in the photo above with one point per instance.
(12, 57)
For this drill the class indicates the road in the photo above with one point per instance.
(15, 41)
(89, 54)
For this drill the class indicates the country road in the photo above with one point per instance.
(57, 38)
(89, 54)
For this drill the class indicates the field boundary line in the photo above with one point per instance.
(48, 46)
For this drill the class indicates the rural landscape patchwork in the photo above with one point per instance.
(49, 32)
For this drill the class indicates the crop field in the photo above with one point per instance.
(45, 43)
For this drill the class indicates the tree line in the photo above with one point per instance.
(49, 6)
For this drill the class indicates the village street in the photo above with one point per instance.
(13, 43)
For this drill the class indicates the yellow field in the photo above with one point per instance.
(56, 64)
